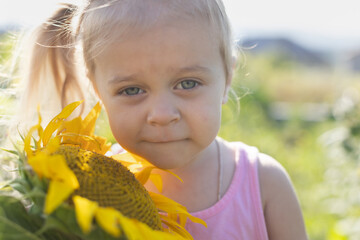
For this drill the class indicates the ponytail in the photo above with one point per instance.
(50, 73)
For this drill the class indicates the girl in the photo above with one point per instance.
(162, 70)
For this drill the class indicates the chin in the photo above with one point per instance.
(167, 164)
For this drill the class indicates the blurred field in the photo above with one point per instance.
(305, 117)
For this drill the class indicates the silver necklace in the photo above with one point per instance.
(219, 170)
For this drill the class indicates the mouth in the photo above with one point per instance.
(164, 140)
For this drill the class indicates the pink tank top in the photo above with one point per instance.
(239, 213)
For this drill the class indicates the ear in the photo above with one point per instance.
(226, 94)
(229, 80)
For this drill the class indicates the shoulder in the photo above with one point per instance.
(272, 176)
(282, 211)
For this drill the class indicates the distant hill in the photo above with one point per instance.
(9, 28)
(354, 62)
(287, 49)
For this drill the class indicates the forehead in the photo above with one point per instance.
(165, 47)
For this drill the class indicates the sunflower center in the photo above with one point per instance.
(110, 184)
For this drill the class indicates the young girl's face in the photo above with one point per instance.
(163, 90)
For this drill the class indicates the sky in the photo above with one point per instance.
(322, 23)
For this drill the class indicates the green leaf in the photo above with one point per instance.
(15, 222)
(21, 136)
(59, 222)
(11, 230)
(37, 196)
(10, 151)
(5, 186)
(20, 185)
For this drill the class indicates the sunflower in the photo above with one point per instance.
(71, 190)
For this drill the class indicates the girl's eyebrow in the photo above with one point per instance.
(188, 69)
(194, 68)
(116, 79)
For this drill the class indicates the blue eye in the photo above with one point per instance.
(132, 91)
(187, 84)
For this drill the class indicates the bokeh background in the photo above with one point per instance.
(296, 96)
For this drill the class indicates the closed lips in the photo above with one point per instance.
(164, 140)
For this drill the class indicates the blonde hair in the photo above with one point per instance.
(92, 25)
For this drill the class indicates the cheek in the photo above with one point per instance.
(115, 124)
(207, 117)
(121, 125)
(210, 109)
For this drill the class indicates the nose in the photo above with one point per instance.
(163, 111)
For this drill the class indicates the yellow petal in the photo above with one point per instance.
(103, 143)
(57, 169)
(176, 227)
(128, 161)
(125, 158)
(180, 218)
(85, 211)
(174, 217)
(183, 219)
(135, 230)
(40, 163)
(73, 126)
(53, 145)
(130, 228)
(40, 129)
(53, 167)
(40, 133)
(57, 121)
(148, 233)
(70, 132)
(108, 219)
(166, 204)
(168, 171)
(90, 120)
(57, 193)
(144, 174)
(39, 115)
(141, 160)
(27, 140)
(157, 181)
(99, 145)
(170, 206)
(141, 167)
